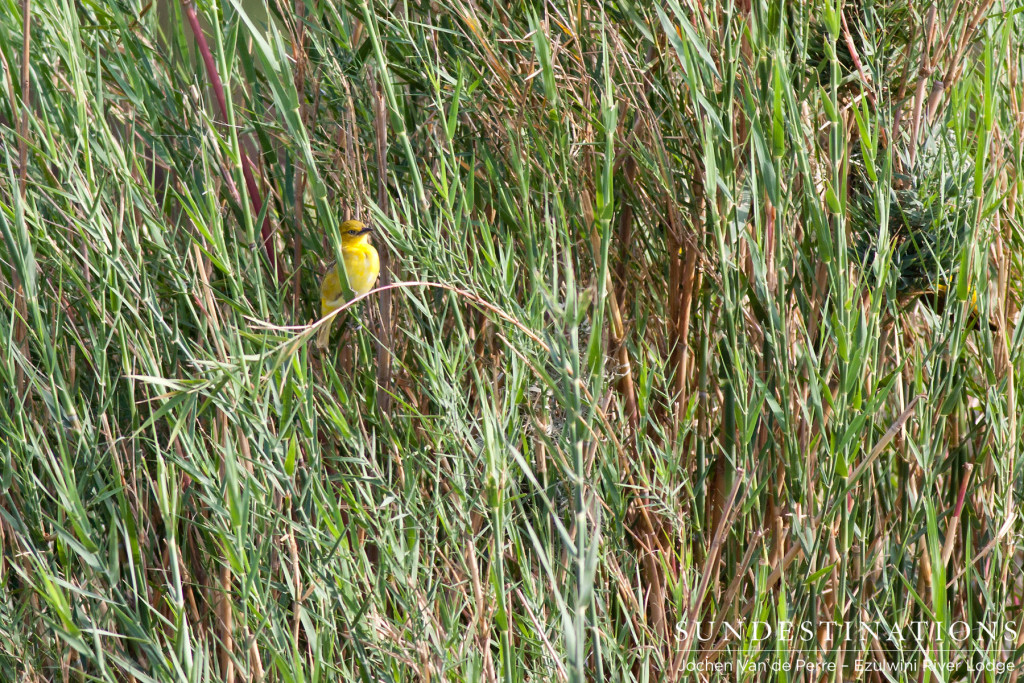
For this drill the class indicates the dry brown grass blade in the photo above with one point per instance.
(710, 654)
(710, 567)
(227, 626)
(924, 71)
(684, 289)
(954, 522)
(890, 433)
(383, 341)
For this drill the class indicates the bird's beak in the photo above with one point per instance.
(365, 230)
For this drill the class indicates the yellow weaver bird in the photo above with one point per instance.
(362, 266)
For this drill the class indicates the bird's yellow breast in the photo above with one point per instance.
(362, 265)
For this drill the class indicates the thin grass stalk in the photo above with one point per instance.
(20, 305)
(299, 184)
(26, 96)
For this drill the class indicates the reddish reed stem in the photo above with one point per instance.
(266, 231)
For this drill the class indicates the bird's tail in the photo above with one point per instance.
(324, 335)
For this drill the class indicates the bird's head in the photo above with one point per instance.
(354, 232)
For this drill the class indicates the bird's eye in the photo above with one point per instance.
(353, 232)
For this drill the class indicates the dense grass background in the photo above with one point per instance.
(699, 335)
